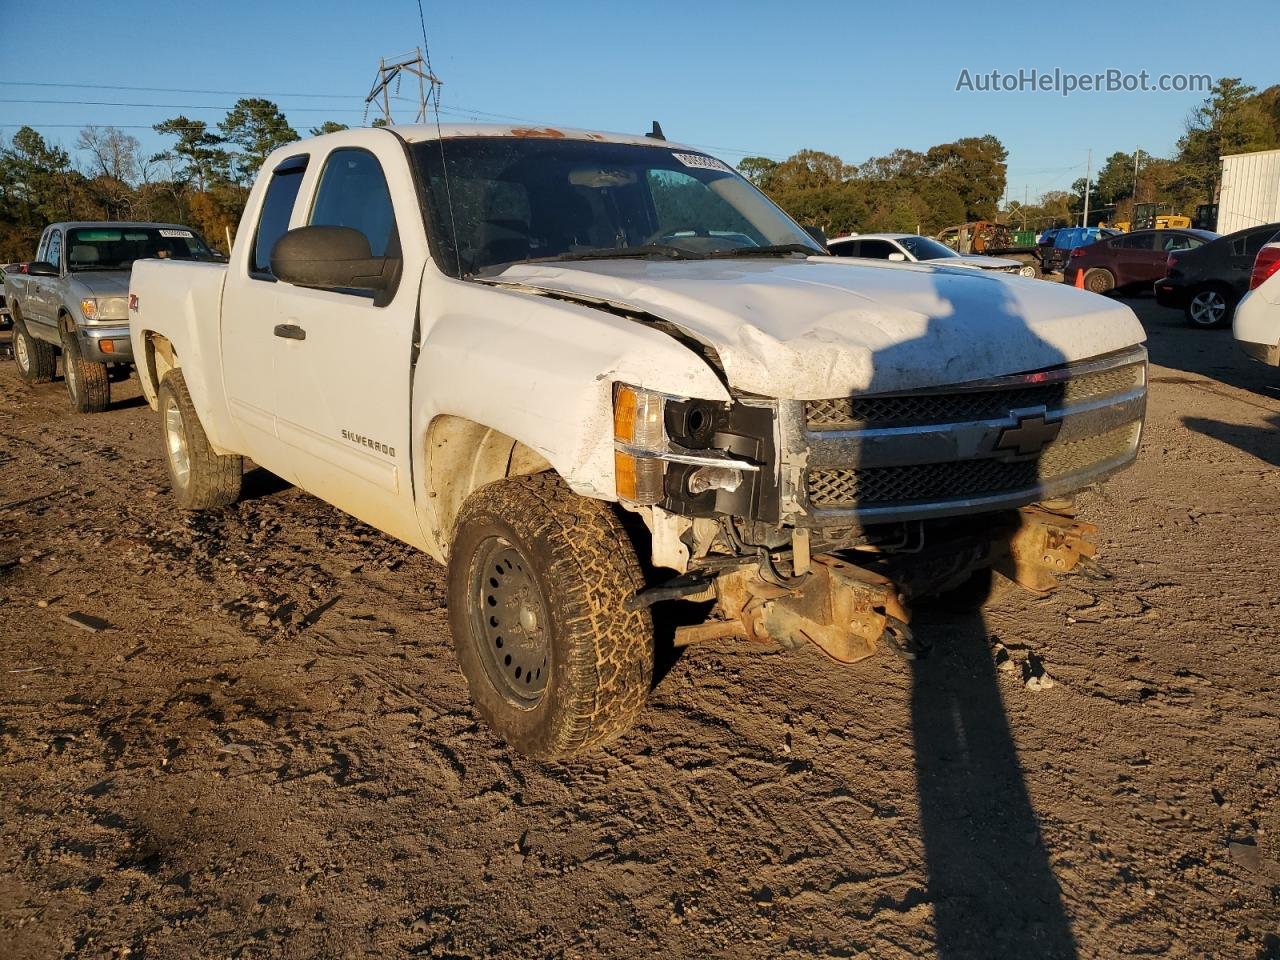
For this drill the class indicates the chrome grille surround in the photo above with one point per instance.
(947, 451)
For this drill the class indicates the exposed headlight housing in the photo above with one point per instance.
(643, 445)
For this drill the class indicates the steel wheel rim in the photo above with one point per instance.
(175, 441)
(1208, 307)
(1027, 272)
(511, 623)
(20, 352)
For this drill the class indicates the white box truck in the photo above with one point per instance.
(1250, 192)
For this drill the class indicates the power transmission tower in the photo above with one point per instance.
(392, 70)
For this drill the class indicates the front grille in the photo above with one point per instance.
(921, 409)
(959, 479)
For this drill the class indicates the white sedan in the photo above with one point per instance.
(1257, 320)
(913, 248)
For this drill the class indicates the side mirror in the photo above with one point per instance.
(818, 234)
(898, 257)
(42, 268)
(331, 258)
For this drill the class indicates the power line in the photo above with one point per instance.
(170, 106)
(110, 86)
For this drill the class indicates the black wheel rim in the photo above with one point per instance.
(512, 630)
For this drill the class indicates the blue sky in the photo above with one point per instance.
(855, 79)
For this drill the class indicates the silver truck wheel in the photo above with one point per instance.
(201, 478)
(538, 580)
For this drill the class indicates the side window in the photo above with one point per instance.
(876, 249)
(44, 245)
(1138, 241)
(353, 193)
(53, 252)
(847, 249)
(277, 207)
(1180, 241)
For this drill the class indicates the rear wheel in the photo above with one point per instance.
(36, 359)
(200, 477)
(87, 382)
(1029, 270)
(1210, 307)
(1100, 280)
(538, 578)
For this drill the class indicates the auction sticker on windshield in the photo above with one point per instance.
(698, 160)
(184, 234)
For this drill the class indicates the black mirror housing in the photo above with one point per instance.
(331, 258)
(818, 234)
(42, 268)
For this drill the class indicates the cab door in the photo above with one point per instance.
(42, 292)
(249, 312)
(343, 356)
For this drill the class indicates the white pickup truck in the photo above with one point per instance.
(596, 374)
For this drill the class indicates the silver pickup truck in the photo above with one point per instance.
(73, 298)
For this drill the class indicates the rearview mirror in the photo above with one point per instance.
(42, 268)
(331, 258)
(898, 257)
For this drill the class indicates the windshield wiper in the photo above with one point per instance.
(624, 253)
(773, 250)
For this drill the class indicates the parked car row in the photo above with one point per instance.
(913, 248)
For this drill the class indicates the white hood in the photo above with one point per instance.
(829, 327)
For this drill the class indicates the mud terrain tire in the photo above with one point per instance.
(200, 478)
(550, 570)
(88, 385)
(36, 360)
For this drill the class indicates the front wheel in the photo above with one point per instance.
(1210, 307)
(88, 385)
(538, 578)
(201, 478)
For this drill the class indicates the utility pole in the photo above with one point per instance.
(389, 70)
(1088, 173)
(1137, 152)
(1024, 206)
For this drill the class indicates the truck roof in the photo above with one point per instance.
(91, 224)
(419, 132)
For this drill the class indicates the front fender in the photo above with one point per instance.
(541, 371)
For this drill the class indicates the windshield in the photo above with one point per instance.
(517, 200)
(922, 248)
(115, 248)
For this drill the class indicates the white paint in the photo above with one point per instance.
(1250, 190)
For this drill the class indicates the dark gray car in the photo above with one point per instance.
(73, 298)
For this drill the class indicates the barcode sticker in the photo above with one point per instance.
(184, 234)
(702, 162)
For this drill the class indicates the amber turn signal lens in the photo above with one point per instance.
(107, 346)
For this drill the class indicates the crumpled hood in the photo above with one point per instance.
(107, 283)
(829, 327)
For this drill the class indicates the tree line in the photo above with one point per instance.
(202, 179)
(203, 176)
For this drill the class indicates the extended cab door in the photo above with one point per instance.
(249, 316)
(343, 357)
(42, 292)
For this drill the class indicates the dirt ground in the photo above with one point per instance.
(269, 752)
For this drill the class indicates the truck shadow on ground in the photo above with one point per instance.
(992, 888)
(1260, 442)
(990, 881)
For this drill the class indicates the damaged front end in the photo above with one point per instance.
(821, 521)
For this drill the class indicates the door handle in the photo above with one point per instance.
(290, 331)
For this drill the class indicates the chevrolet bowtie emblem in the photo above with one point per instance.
(1029, 435)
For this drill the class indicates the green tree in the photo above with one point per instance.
(198, 154)
(974, 168)
(257, 127)
(757, 170)
(329, 126)
(1230, 120)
